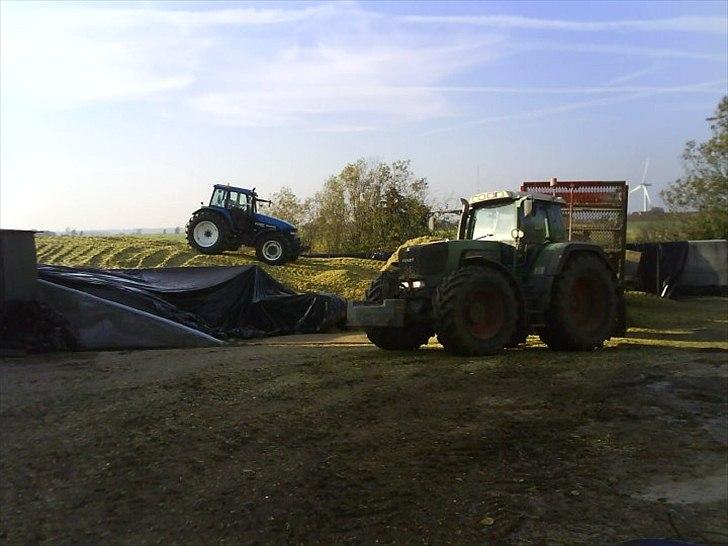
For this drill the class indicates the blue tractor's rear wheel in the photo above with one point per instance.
(208, 233)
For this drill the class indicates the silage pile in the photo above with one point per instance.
(347, 277)
(412, 242)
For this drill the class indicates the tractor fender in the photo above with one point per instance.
(549, 263)
(517, 288)
(552, 258)
(265, 231)
(224, 213)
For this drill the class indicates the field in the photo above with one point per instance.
(656, 227)
(328, 440)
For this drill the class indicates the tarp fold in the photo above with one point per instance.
(240, 301)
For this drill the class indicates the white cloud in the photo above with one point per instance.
(327, 67)
(389, 79)
(53, 60)
(58, 56)
(710, 86)
(76, 18)
(635, 75)
(331, 59)
(711, 25)
(618, 49)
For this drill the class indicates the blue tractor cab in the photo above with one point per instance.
(232, 220)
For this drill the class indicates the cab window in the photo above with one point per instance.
(534, 226)
(218, 198)
(494, 222)
(557, 231)
(238, 200)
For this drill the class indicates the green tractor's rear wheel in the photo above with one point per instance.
(583, 306)
(407, 338)
(208, 232)
(476, 311)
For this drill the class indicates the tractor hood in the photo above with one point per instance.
(273, 222)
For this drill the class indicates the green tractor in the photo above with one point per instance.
(511, 272)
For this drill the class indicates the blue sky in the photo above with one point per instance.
(122, 115)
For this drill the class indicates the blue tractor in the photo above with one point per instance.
(232, 220)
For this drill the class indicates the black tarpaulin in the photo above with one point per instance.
(683, 268)
(661, 265)
(242, 301)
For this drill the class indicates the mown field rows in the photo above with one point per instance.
(348, 277)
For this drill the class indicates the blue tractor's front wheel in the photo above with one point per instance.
(207, 232)
(273, 248)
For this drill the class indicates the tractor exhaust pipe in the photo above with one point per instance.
(463, 218)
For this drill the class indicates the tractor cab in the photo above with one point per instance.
(232, 198)
(511, 217)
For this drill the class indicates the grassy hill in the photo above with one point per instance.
(348, 277)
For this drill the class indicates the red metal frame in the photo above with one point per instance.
(596, 211)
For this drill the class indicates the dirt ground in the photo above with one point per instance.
(326, 439)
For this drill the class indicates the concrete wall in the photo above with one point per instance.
(18, 271)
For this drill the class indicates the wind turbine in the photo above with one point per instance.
(643, 186)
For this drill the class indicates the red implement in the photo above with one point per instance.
(595, 211)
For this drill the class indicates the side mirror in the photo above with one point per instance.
(431, 222)
(528, 207)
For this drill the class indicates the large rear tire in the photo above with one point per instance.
(476, 311)
(273, 248)
(208, 232)
(583, 307)
(407, 338)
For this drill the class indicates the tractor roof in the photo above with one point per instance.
(234, 188)
(507, 195)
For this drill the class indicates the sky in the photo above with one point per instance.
(123, 115)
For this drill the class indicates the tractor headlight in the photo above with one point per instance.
(417, 284)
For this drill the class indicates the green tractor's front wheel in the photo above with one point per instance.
(208, 233)
(407, 338)
(476, 311)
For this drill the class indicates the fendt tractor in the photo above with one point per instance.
(511, 272)
(232, 220)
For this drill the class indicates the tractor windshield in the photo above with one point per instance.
(494, 222)
(218, 198)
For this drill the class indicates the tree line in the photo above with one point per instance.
(703, 190)
(367, 206)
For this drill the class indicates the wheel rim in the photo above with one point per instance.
(484, 313)
(272, 250)
(587, 303)
(206, 234)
